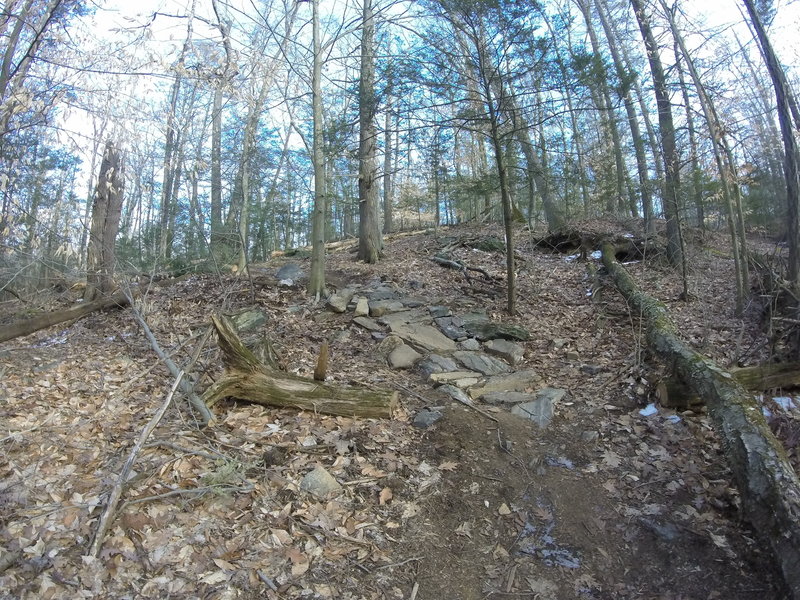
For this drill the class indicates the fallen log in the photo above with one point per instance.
(246, 378)
(34, 324)
(768, 486)
(675, 394)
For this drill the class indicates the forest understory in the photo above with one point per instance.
(615, 498)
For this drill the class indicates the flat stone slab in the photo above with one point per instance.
(518, 381)
(414, 315)
(378, 308)
(461, 379)
(439, 311)
(423, 337)
(508, 351)
(367, 323)
(434, 363)
(480, 362)
(403, 357)
(506, 398)
(538, 411)
(456, 393)
(470, 344)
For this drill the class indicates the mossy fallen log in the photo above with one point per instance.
(768, 486)
(246, 378)
(675, 394)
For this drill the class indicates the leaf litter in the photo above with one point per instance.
(645, 508)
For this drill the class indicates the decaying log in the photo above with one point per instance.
(767, 484)
(246, 378)
(34, 324)
(674, 393)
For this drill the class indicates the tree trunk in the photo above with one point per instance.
(668, 145)
(106, 213)
(316, 279)
(246, 378)
(387, 171)
(767, 484)
(369, 244)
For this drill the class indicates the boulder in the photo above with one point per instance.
(338, 302)
(508, 351)
(403, 357)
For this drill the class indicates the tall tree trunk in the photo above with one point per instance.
(787, 108)
(633, 121)
(668, 145)
(316, 280)
(106, 213)
(387, 170)
(369, 243)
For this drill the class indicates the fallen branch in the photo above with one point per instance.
(247, 378)
(767, 484)
(116, 493)
(206, 417)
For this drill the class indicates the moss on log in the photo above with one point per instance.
(246, 378)
(768, 486)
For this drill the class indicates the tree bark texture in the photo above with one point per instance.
(106, 212)
(248, 379)
(767, 484)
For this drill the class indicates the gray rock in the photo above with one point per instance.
(378, 308)
(591, 369)
(320, 483)
(483, 363)
(470, 344)
(289, 273)
(462, 379)
(538, 411)
(367, 323)
(435, 363)
(456, 393)
(403, 357)
(423, 337)
(508, 351)
(414, 315)
(382, 293)
(338, 302)
(452, 327)
(492, 331)
(362, 307)
(507, 398)
(518, 381)
(412, 302)
(426, 417)
(590, 436)
(389, 344)
(439, 311)
(249, 320)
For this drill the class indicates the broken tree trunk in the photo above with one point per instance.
(768, 485)
(246, 378)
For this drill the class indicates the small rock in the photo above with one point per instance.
(320, 483)
(470, 344)
(508, 351)
(389, 344)
(538, 411)
(483, 363)
(590, 436)
(434, 363)
(403, 357)
(439, 311)
(456, 393)
(362, 307)
(338, 302)
(559, 343)
(426, 417)
(572, 355)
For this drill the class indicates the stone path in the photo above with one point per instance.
(468, 356)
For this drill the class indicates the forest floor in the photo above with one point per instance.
(604, 503)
